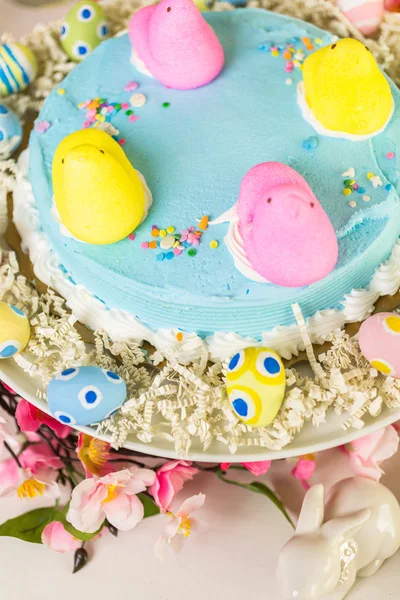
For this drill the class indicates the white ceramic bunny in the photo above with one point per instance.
(361, 530)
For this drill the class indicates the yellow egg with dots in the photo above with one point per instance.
(99, 196)
(255, 384)
(15, 330)
(346, 90)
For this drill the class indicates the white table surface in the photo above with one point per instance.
(236, 558)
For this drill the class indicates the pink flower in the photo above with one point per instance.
(93, 454)
(9, 476)
(304, 469)
(170, 479)
(256, 468)
(367, 453)
(36, 476)
(56, 537)
(112, 497)
(30, 418)
(39, 458)
(180, 526)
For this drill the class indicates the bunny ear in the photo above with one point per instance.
(342, 529)
(312, 512)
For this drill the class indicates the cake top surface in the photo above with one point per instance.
(194, 148)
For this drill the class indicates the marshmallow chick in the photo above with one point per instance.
(176, 45)
(346, 91)
(287, 236)
(99, 196)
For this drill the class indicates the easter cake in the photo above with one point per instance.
(189, 182)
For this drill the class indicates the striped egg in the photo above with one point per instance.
(366, 15)
(379, 339)
(10, 131)
(255, 384)
(85, 395)
(18, 68)
(15, 330)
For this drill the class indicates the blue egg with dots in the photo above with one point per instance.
(85, 395)
(10, 131)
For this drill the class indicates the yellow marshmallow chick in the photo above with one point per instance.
(98, 194)
(345, 89)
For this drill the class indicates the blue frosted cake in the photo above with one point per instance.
(186, 278)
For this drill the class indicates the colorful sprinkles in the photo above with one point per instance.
(171, 243)
(350, 185)
(294, 52)
(42, 126)
(99, 110)
(131, 86)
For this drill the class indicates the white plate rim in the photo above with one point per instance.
(21, 382)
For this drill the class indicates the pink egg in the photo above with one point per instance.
(287, 236)
(366, 15)
(379, 339)
(176, 44)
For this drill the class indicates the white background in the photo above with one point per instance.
(235, 559)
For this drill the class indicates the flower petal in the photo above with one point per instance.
(56, 537)
(86, 512)
(125, 512)
(257, 468)
(10, 475)
(146, 475)
(191, 504)
(38, 456)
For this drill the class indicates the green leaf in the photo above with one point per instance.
(29, 526)
(150, 507)
(259, 488)
(61, 517)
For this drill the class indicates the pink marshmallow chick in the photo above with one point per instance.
(176, 44)
(287, 236)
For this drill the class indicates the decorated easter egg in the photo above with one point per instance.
(379, 339)
(83, 30)
(14, 330)
(255, 383)
(345, 89)
(98, 194)
(10, 131)
(85, 395)
(18, 68)
(366, 15)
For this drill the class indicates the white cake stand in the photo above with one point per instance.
(311, 439)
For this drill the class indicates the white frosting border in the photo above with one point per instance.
(120, 325)
(308, 116)
(234, 243)
(139, 65)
